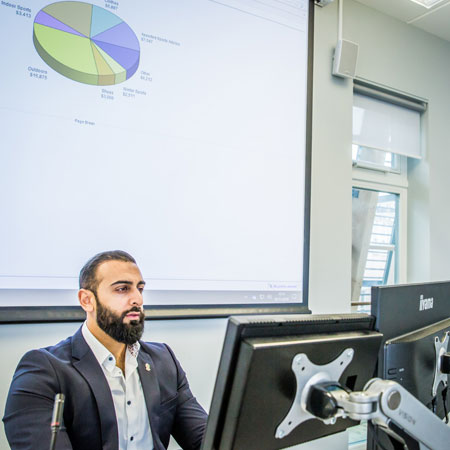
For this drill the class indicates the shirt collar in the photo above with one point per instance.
(104, 357)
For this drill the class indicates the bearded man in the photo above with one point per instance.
(120, 392)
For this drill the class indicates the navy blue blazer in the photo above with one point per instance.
(71, 368)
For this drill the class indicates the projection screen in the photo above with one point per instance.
(178, 131)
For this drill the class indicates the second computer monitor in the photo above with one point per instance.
(410, 317)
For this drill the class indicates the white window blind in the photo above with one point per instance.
(385, 126)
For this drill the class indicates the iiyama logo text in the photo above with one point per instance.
(425, 303)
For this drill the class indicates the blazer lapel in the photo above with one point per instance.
(86, 363)
(150, 386)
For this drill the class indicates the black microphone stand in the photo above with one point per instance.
(55, 426)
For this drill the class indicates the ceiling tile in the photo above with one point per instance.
(404, 10)
(437, 23)
(435, 20)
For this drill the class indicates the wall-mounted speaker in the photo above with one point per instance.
(345, 57)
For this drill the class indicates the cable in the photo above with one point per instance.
(340, 18)
(444, 400)
(433, 404)
(376, 436)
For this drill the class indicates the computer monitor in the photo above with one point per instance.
(409, 317)
(256, 385)
(414, 360)
(404, 308)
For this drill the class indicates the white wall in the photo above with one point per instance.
(331, 200)
(393, 54)
(407, 59)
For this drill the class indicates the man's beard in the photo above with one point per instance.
(113, 324)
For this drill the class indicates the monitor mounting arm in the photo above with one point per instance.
(397, 412)
(386, 403)
(442, 365)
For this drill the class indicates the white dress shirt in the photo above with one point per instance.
(128, 396)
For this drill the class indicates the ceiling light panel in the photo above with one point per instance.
(427, 3)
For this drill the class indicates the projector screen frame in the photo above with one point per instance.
(51, 314)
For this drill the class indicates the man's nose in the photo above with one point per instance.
(136, 297)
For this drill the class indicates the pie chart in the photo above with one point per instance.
(86, 43)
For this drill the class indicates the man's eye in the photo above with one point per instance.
(141, 289)
(122, 289)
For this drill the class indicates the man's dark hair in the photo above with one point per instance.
(88, 274)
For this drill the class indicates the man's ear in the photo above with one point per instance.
(86, 299)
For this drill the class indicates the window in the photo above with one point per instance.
(374, 242)
(369, 158)
(386, 132)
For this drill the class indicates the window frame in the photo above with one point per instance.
(372, 182)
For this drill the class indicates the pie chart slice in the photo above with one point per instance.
(43, 18)
(86, 43)
(127, 37)
(126, 57)
(67, 53)
(103, 20)
(74, 14)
